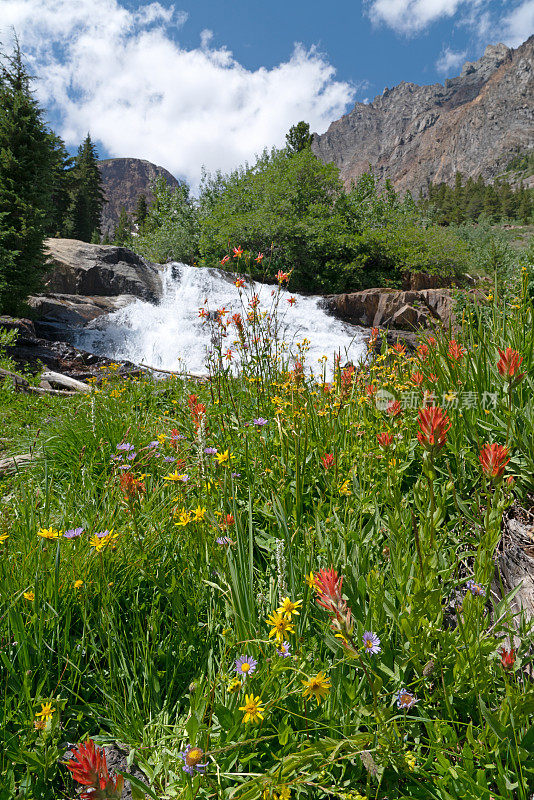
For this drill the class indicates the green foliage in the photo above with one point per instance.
(299, 138)
(294, 208)
(169, 231)
(141, 210)
(469, 200)
(28, 153)
(122, 235)
(135, 638)
(87, 196)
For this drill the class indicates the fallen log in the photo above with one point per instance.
(14, 463)
(515, 563)
(18, 381)
(48, 378)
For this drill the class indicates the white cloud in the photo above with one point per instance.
(412, 16)
(120, 75)
(450, 61)
(519, 24)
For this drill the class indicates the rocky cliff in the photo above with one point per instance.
(414, 135)
(124, 179)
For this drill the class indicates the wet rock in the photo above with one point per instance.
(80, 268)
(60, 311)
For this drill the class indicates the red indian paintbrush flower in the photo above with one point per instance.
(384, 439)
(494, 458)
(507, 658)
(131, 487)
(327, 460)
(433, 427)
(417, 378)
(456, 351)
(328, 586)
(394, 408)
(88, 767)
(508, 365)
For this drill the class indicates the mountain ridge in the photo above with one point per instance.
(473, 123)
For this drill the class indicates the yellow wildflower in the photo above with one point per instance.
(99, 542)
(30, 596)
(310, 580)
(234, 685)
(253, 709)
(48, 533)
(317, 687)
(198, 514)
(3, 537)
(184, 517)
(280, 626)
(223, 458)
(175, 476)
(46, 711)
(78, 584)
(344, 488)
(289, 608)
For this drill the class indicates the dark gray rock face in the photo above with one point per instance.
(123, 181)
(104, 270)
(415, 135)
(71, 310)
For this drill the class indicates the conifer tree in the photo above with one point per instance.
(87, 195)
(298, 138)
(26, 184)
(141, 210)
(122, 234)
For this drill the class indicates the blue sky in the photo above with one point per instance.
(213, 82)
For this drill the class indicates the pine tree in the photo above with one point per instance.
(298, 138)
(141, 210)
(122, 234)
(26, 184)
(87, 195)
(63, 185)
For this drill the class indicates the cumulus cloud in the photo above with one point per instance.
(488, 20)
(121, 75)
(450, 61)
(412, 16)
(519, 23)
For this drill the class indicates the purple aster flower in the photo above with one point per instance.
(245, 665)
(192, 756)
(210, 451)
(73, 533)
(223, 540)
(155, 443)
(475, 588)
(101, 534)
(184, 478)
(176, 436)
(125, 466)
(236, 474)
(125, 446)
(371, 643)
(131, 456)
(169, 458)
(406, 699)
(260, 422)
(283, 652)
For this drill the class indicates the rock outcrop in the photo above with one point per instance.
(415, 135)
(33, 352)
(392, 308)
(103, 270)
(123, 181)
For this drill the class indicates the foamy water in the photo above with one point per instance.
(171, 335)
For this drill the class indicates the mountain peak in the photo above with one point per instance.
(413, 135)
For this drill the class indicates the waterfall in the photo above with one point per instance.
(171, 335)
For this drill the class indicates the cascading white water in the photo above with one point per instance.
(171, 335)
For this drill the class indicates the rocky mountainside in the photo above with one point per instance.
(124, 179)
(414, 135)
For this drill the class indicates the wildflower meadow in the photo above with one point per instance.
(279, 581)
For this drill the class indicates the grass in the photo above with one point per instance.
(133, 635)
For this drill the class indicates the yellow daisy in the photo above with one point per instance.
(317, 687)
(253, 709)
(280, 626)
(46, 711)
(289, 608)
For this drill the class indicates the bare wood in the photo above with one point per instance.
(171, 372)
(43, 390)
(13, 464)
(18, 380)
(63, 380)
